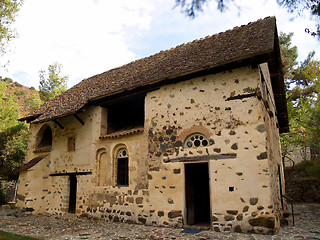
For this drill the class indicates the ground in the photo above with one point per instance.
(307, 226)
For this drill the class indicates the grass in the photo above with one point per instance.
(11, 236)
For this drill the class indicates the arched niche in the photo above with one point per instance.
(102, 167)
(44, 138)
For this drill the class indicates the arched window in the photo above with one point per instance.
(44, 138)
(122, 167)
(196, 140)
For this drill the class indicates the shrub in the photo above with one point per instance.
(19, 92)
(314, 170)
(9, 80)
(312, 167)
(303, 164)
(3, 197)
(17, 84)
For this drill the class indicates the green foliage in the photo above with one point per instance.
(13, 135)
(17, 84)
(313, 122)
(8, 80)
(314, 170)
(8, 12)
(51, 83)
(32, 102)
(289, 54)
(19, 92)
(302, 81)
(13, 144)
(298, 117)
(9, 109)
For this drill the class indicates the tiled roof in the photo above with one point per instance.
(236, 45)
(123, 133)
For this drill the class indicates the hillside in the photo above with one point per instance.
(21, 94)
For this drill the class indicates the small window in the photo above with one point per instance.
(196, 140)
(71, 144)
(123, 167)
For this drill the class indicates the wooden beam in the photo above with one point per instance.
(59, 124)
(78, 118)
(202, 158)
(70, 173)
(241, 96)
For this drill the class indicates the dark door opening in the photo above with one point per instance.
(197, 193)
(72, 193)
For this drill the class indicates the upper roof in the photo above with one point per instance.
(255, 42)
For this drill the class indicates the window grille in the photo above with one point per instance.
(196, 140)
(122, 167)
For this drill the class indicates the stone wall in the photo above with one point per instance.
(298, 154)
(241, 187)
(275, 168)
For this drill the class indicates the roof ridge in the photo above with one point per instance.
(183, 44)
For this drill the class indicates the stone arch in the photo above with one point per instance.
(44, 138)
(194, 129)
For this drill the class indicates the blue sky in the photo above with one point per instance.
(92, 36)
